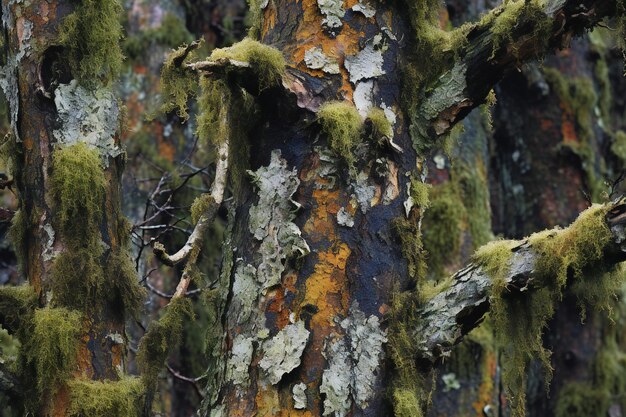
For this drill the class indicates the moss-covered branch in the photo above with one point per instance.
(514, 33)
(578, 257)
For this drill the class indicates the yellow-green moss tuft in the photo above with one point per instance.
(53, 347)
(268, 63)
(342, 124)
(162, 337)
(78, 188)
(200, 206)
(77, 278)
(121, 285)
(91, 36)
(420, 192)
(105, 398)
(16, 305)
(17, 234)
(178, 83)
(381, 126)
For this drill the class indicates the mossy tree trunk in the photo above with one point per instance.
(70, 236)
(327, 266)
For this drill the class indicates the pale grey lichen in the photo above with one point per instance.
(368, 63)
(245, 292)
(281, 354)
(333, 12)
(271, 219)
(344, 218)
(87, 116)
(364, 192)
(363, 97)
(299, 396)
(353, 361)
(364, 7)
(239, 361)
(450, 382)
(48, 252)
(316, 59)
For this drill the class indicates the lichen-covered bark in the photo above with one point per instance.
(51, 113)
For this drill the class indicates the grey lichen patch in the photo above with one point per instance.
(299, 396)
(364, 97)
(271, 219)
(363, 6)
(368, 63)
(282, 352)
(333, 12)
(87, 116)
(336, 379)
(364, 192)
(245, 292)
(239, 361)
(48, 248)
(354, 361)
(8, 72)
(344, 218)
(316, 59)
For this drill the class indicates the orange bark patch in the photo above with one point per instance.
(486, 388)
(568, 130)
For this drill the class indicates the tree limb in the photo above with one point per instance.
(492, 50)
(450, 315)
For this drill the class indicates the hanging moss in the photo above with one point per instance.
(162, 337)
(78, 188)
(443, 227)
(254, 18)
(121, 285)
(91, 35)
(16, 305)
(574, 254)
(342, 124)
(77, 278)
(408, 232)
(171, 33)
(226, 113)
(409, 387)
(105, 398)
(17, 234)
(178, 83)
(267, 63)
(53, 347)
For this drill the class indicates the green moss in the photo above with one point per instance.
(381, 126)
(162, 337)
(408, 232)
(474, 191)
(91, 35)
(268, 63)
(443, 226)
(78, 188)
(121, 285)
(172, 33)
(77, 278)
(18, 234)
(409, 389)
(565, 256)
(178, 83)
(578, 399)
(105, 398)
(16, 305)
(342, 124)
(419, 192)
(254, 18)
(618, 147)
(53, 347)
(200, 206)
